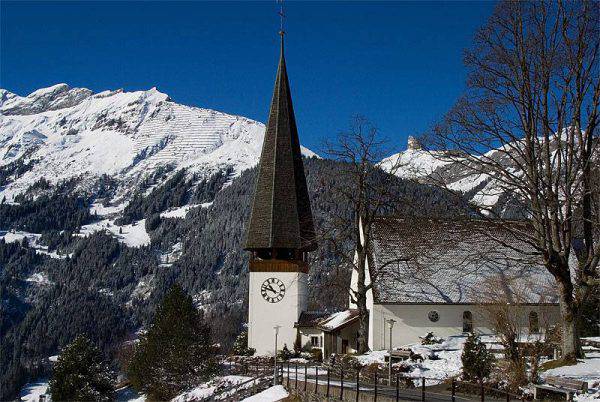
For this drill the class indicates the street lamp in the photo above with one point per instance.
(276, 328)
(391, 322)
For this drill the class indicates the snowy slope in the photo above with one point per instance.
(435, 167)
(71, 132)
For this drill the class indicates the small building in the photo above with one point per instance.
(328, 332)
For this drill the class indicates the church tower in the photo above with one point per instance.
(281, 230)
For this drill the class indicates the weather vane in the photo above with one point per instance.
(281, 17)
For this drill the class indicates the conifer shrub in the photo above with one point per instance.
(177, 351)
(477, 361)
(285, 353)
(240, 346)
(80, 374)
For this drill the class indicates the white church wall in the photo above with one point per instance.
(412, 321)
(263, 315)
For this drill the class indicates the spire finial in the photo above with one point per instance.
(281, 18)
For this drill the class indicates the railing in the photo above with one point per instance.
(355, 383)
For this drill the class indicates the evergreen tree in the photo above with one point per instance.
(476, 359)
(176, 352)
(80, 374)
(240, 346)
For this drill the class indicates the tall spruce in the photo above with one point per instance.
(176, 352)
(80, 374)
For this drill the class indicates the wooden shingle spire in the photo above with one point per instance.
(281, 215)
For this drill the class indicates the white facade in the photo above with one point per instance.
(264, 315)
(413, 321)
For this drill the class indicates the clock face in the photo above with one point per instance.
(272, 290)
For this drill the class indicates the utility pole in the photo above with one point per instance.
(275, 379)
(391, 322)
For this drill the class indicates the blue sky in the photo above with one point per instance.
(399, 64)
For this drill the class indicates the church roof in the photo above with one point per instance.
(456, 261)
(281, 215)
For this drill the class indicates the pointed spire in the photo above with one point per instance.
(281, 215)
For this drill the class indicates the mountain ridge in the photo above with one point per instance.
(65, 132)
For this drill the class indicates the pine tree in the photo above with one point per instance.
(176, 352)
(240, 346)
(80, 374)
(476, 359)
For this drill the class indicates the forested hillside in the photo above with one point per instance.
(64, 283)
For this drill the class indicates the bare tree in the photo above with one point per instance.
(522, 329)
(371, 194)
(528, 125)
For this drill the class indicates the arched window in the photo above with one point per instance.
(467, 321)
(534, 323)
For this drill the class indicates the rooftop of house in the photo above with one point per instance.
(327, 322)
(457, 261)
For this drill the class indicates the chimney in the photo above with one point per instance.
(413, 144)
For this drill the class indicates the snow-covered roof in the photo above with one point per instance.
(327, 322)
(456, 261)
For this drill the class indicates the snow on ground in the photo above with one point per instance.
(133, 235)
(206, 390)
(587, 369)
(40, 278)
(100, 210)
(272, 394)
(182, 212)
(128, 394)
(33, 241)
(440, 361)
(31, 392)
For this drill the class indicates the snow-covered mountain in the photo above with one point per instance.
(61, 132)
(435, 167)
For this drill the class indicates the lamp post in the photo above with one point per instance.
(391, 322)
(275, 379)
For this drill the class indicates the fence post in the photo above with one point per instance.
(507, 397)
(288, 373)
(296, 376)
(423, 389)
(327, 382)
(317, 380)
(357, 384)
(481, 391)
(397, 387)
(342, 382)
(375, 400)
(453, 390)
(305, 377)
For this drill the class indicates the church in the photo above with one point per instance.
(427, 275)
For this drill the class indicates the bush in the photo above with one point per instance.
(285, 353)
(177, 351)
(430, 339)
(476, 359)
(240, 346)
(316, 355)
(80, 374)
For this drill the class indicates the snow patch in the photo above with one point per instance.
(133, 235)
(32, 391)
(272, 394)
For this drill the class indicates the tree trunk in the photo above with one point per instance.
(571, 345)
(363, 329)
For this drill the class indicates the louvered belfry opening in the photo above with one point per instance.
(281, 224)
